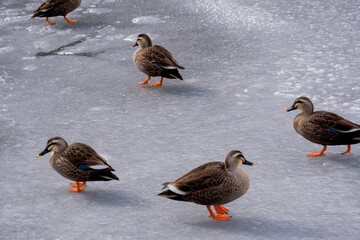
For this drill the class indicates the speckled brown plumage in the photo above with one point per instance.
(213, 183)
(322, 127)
(155, 60)
(52, 8)
(77, 162)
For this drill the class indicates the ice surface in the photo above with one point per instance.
(246, 61)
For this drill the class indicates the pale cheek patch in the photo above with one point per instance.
(236, 155)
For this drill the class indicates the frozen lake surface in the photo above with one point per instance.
(246, 61)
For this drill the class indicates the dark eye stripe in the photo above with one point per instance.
(50, 144)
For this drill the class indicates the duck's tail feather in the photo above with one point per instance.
(103, 176)
(170, 72)
(171, 195)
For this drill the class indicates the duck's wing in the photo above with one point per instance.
(332, 121)
(205, 176)
(84, 157)
(168, 56)
(161, 57)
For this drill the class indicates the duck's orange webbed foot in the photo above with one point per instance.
(347, 150)
(156, 84)
(70, 21)
(316, 154)
(49, 22)
(145, 82)
(220, 209)
(219, 217)
(76, 188)
(80, 184)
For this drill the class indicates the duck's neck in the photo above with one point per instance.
(146, 44)
(307, 109)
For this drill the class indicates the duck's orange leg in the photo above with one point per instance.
(70, 21)
(156, 84)
(80, 184)
(220, 209)
(49, 22)
(77, 188)
(315, 154)
(146, 81)
(347, 150)
(219, 217)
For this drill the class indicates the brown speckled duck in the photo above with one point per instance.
(155, 61)
(77, 162)
(214, 183)
(322, 127)
(53, 8)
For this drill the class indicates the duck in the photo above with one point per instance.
(77, 162)
(213, 183)
(53, 8)
(155, 61)
(321, 127)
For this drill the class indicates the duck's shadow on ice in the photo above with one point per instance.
(113, 197)
(350, 160)
(186, 90)
(265, 227)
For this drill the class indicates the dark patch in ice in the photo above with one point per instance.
(62, 48)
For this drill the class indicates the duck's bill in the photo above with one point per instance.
(290, 109)
(248, 163)
(43, 153)
(136, 44)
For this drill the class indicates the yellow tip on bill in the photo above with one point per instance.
(38, 155)
(253, 164)
(286, 110)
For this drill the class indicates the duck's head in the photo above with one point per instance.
(234, 159)
(143, 41)
(304, 104)
(54, 144)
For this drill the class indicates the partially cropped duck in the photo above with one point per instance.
(155, 61)
(214, 183)
(53, 8)
(77, 162)
(322, 127)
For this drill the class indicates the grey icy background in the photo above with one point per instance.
(246, 61)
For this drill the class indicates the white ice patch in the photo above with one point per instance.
(30, 68)
(95, 109)
(6, 49)
(28, 58)
(147, 20)
(66, 53)
(130, 38)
